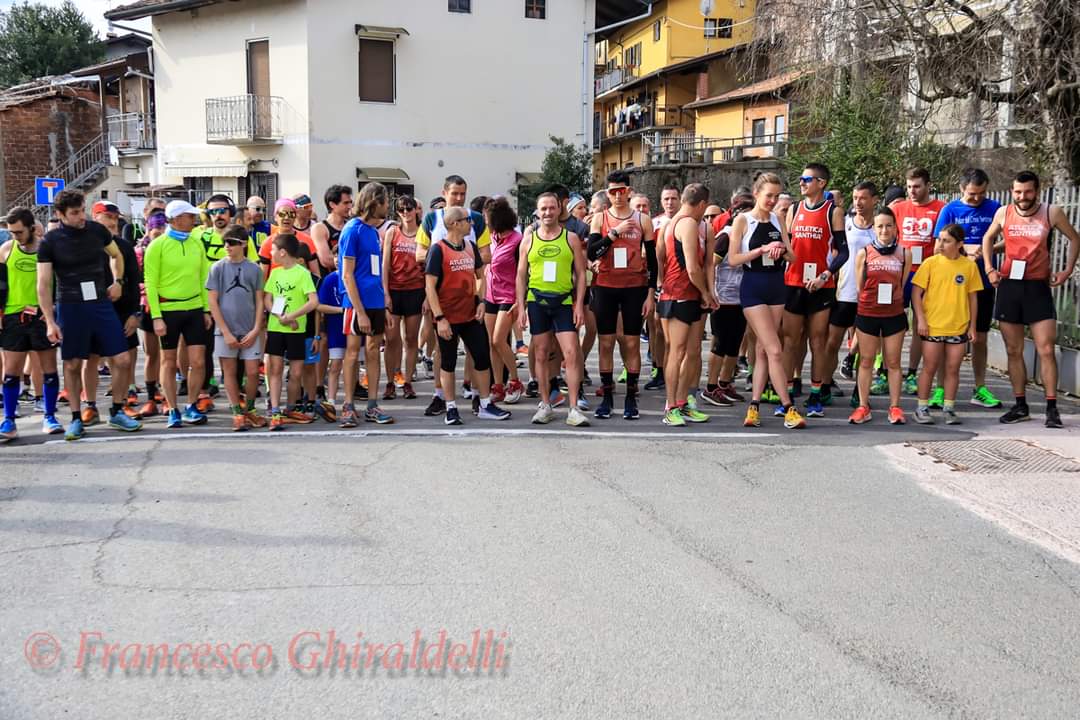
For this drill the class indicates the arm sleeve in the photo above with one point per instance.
(723, 244)
(44, 253)
(839, 243)
(651, 264)
(597, 245)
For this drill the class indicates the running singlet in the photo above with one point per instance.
(847, 290)
(1027, 239)
(21, 279)
(502, 272)
(433, 229)
(760, 233)
(623, 265)
(333, 235)
(882, 270)
(677, 284)
(551, 270)
(811, 237)
(915, 224)
(456, 285)
(405, 272)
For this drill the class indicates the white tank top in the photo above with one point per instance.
(847, 289)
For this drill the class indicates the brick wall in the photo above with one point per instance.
(42, 134)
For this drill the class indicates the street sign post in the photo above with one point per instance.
(46, 188)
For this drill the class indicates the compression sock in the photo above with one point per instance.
(1051, 403)
(632, 383)
(607, 382)
(11, 396)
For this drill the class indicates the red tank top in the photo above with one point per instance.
(405, 272)
(457, 289)
(1027, 239)
(915, 224)
(677, 284)
(879, 270)
(811, 236)
(634, 272)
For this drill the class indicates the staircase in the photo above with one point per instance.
(83, 170)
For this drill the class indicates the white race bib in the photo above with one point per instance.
(809, 272)
(89, 291)
(1016, 270)
(619, 259)
(376, 265)
(884, 294)
(767, 260)
(551, 271)
(279, 305)
(916, 254)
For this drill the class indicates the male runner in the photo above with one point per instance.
(304, 212)
(1023, 288)
(815, 224)
(916, 218)
(669, 204)
(325, 234)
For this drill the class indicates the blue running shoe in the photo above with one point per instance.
(603, 410)
(192, 416)
(8, 432)
(815, 409)
(51, 426)
(630, 409)
(121, 421)
(174, 420)
(75, 430)
(779, 411)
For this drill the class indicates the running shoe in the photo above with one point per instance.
(498, 392)
(1017, 413)
(149, 409)
(911, 385)
(132, 398)
(399, 379)
(213, 389)
(277, 420)
(582, 403)
(880, 385)
(429, 367)
(1053, 418)
(847, 367)
(326, 411)
(749, 386)
(51, 426)
(103, 371)
(984, 398)
(90, 416)
(348, 416)
(693, 415)
(603, 410)
(493, 412)
(522, 350)
(556, 398)
(770, 396)
(8, 431)
(622, 376)
(793, 420)
(937, 399)
(296, 416)
(158, 397)
(674, 417)
(75, 430)
(174, 421)
(62, 398)
(391, 391)
(860, 416)
(26, 396)
(896, 416)
(743, 363)
(716, 397)
(453, 417)
(131, 412)
(204, 403)
(544, 414)
(239, 423)
(923, 416)
(657, 381)
(574, 418)
(753, 417)
(255, 420)
(436, 407)
(476, 403)
(796, 388)
(728, 390)
(181, 388)
(377, 416)
(532, 390)
(193, 416)
(779, 411)
(826, 398)
(815, 409)
(466, 391)
(39, 405)
(407, 391)
(951, 418)
(363, 379)
(691, 400)
(514, 391)
(630, 408)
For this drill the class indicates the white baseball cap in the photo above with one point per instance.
(177, 208)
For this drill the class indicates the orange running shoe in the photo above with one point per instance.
(90, 416)
(239, 423)
(860, 415)
(150, 409)
(204, 404)
(896, 416)
(254, 419)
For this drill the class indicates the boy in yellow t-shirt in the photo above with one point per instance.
(943, 295)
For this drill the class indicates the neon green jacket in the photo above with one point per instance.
(174, 272)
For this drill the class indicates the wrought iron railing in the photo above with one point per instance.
(244, 119)
(672, 148)
(132, 131)
(614, 78)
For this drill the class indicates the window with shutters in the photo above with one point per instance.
(460, 6)
(377, 72)
(536, 9)
(718, 27)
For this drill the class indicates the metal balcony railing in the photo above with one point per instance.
(129, 132)
(615, 78)
(673, 149)
(636, 118)
(244, 119)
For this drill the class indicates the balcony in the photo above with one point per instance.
(636, 119)
(244, 120)
(674, 149)
(614, 78)
(132, 133)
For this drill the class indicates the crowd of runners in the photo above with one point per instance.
(303, 319)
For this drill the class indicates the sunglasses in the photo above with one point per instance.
(466, 220)
(807, 179)
(618, 190)
(257, 208)
(234, 243)
(216, 212)
(286, 213)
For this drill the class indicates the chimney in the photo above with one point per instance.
(702, 85)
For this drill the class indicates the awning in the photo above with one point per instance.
(527, 178)
(207, 169)
(380, 31)
(381, 174)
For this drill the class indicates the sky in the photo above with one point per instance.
(94, 10)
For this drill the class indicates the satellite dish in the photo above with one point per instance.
(707, 7)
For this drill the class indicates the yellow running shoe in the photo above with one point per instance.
(793, 420)
(753, 417)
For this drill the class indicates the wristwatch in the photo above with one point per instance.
(439, 317)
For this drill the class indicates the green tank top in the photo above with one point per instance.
(22, 280)
(551, 276)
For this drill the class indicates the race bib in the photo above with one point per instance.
(809, 272)
(279, 305)
(884, 294)
(916, 255)
(551, 271)
(89, 291)
(620, 257)
(1016, 270)
(767, 261)
(376, 265)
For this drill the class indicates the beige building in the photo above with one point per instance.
(277, 97)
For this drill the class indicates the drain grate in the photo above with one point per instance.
(996, 457)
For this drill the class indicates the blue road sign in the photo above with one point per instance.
(45, 189)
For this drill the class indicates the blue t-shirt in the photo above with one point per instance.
(330, 294)
(975, 221)
(360, 241)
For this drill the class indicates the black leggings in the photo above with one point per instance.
(475, 337)
(728, 326)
